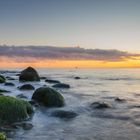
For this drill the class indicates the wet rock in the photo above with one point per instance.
(3, 90)
(61, 85)
(119, 100)
(24, 125)
(42, 77)
(48, 97)
(100, 105)
(29, 74)
(77, 78)
(9, 84)
(21, 96)
(10, 78)
(52, 81)
(12, 109)
(2, 79)
(34, 103)
(26, 87)
(64, 114)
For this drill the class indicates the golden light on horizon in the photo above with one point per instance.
(44, 63)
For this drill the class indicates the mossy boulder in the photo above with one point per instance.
(29, 74)
(2, 136)
(26, 87)
(48, 97)
(12, 109)
(2, 79)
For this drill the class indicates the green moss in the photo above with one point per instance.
(2, 136)
(48, 97)
(2, 79)
(12, 109)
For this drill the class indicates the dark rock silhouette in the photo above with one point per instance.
(29, 74)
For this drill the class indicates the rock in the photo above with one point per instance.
(3, 90)
(2, 136)
(64, 114)
(52, 81)
(119, 100)
(2, 79)
(100, 105)
(29, 74)
(13, 110)
(61, 85)
(42, 77)
(33, 103)
(77, 78)
(10, 78)
(9, 84)
(21, 96)
(27, 126)
(26, 87)
(48, 97)
(24, 125)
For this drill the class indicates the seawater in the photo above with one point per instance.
(121, 122)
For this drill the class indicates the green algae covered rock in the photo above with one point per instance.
(12, 109)
(29, 74)
(2, 79)
(48, 97)
(2, 136)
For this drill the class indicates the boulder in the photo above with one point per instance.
(52, 81)
(26, 87)
(9, 84)
(29, 74)
(12, 109)
(64, 114)
(61, 85)
(3, 136)
(3, 90)
(2, 79)
(100, 105)
(48, 97)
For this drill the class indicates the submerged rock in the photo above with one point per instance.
(24, 125)
(48, 97)
(9, 84)
(100, 105)
(42, 77)
(119, 99)
(61, 85)
(64, 114)
(10, 78)
(77, 78)
(21, 96)
(29, 74)
(3, 90)
(26, 87)
(52, 81)
(2, 79)
(12, 109)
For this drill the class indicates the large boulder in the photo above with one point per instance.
(26, 87)
(48, 97)
(2, 79)
(29, 74)
(12, 109)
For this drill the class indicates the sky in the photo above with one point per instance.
(90, 24)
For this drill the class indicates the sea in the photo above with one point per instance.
(120, 122)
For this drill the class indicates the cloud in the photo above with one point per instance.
(27, 53)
